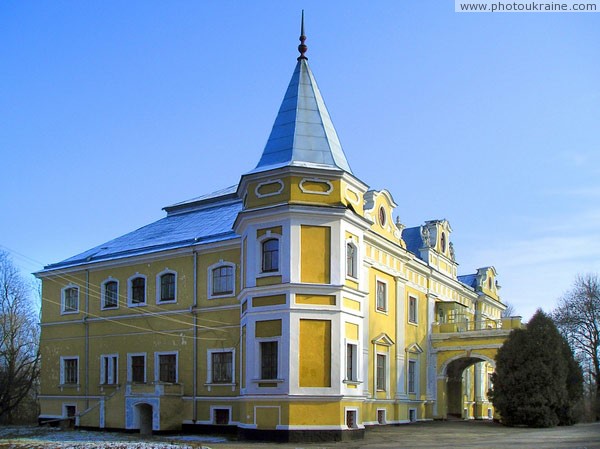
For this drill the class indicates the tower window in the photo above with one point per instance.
(351, 268)
(270, 255)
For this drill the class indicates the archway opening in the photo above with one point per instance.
(466, 388)
(143, 418)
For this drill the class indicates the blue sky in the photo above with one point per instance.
(111, 110)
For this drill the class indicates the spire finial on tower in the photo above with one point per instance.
(302, 47)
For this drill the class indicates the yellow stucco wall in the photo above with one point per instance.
(315, 353)
(315, 254)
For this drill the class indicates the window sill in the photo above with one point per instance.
(220, 384)
(109, 308)
(352, 382)
(222, 295)
(265, 274)
(266, 381)
(69, 312)
(414, 323)
(140, 304)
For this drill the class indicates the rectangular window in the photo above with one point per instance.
(222, 280)
(71, 299)
(268, 360)
(221, 416)
(351, 419)
(167, 368)
(69, 370)
(381, 296)
(270, 255)
(381, 380)
(351, 260)
(222, 367)
(412, 309)
(138, 368)
(412, 376)
(351, 362)
(111, 295)
(109, 370)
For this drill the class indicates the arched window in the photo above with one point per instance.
(222, 280)
(351, 260)
(137, 291)
(167, 287)
(70, 299)
(110, 294)
(270, 255)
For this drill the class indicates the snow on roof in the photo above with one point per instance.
(209, 220)
(468, 279)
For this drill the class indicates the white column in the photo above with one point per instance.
(400, 338)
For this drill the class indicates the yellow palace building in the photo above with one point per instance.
(289, 306)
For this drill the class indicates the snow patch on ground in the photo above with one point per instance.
(34, 437)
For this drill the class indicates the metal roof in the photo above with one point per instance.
(303, 134)
(193, 226)
(413, 240)
(468, 279)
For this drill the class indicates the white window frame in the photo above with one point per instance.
(209, 372)
(355, 364)
(113, 362)
(157, 366)
(268, 236)
(63, 299)
(213, 414)
(103, 293)
(159, 287)
(130, 356)
(219, 264)
(386, 372)
(415, 363)
(130, 291)
(63, 358)
(412, 415)
(66, 415)
(386, 298)
(384, 416)
(415, 319)
(356, 417)
(355, 258)
(258, 358)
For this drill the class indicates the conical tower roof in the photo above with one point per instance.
(303, 134)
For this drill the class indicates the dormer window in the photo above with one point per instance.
(443, 242)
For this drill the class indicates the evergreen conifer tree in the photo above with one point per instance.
(535, 383)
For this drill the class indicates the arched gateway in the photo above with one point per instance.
(465, 360)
